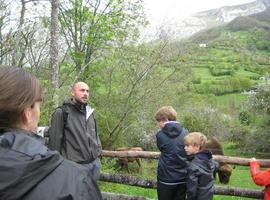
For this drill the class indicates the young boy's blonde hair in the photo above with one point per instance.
(166, 113)
(195, 139)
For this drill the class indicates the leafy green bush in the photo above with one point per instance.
(254, 77)
(195, 123)
(225, 86)
(221, 72)
(259, 106)
(263, 45)
(244, 117)
(260, 101)
(239, 134)
(207, 120)
(258, 140)
(254, 69)
(197, 80)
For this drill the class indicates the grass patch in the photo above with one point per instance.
(240, 178)
(128, 190)
(205, 75)
(149, 168)
(235, 99)
(244, 73)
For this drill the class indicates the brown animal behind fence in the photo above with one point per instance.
(225, 170)
(123, 162)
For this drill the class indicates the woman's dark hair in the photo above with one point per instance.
(18, 90)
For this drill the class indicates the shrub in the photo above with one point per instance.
(225, 86)
(197, 80)
(260, 101)
(259, 106)
(221, 72)
(239, 134)
(207, 120)
(258, 140)
(244, 117)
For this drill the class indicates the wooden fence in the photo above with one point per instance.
(218, 190)
(133, 181)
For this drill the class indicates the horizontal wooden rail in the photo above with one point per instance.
(218, 190)
(130, 154)
(112, 196)
(155, 155)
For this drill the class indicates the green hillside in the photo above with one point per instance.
(235, 56)
(226, 62)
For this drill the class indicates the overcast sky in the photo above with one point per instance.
(158, 10)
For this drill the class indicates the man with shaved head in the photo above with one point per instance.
(73, 130)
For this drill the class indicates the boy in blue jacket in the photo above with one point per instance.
(172, 166)
(200, 179)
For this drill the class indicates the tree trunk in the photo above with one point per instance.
(19, 47)
(54, 52)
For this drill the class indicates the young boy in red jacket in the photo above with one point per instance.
(261, 178)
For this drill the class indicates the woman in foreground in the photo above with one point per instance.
(28, 169)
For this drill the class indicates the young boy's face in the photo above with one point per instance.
(191, 149)
(161, 123)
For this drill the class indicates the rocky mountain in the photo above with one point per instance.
(251, 21)
(210, 18)
(259, 21)
(228, 13)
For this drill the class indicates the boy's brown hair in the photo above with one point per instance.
(166, 113)
(195, 139)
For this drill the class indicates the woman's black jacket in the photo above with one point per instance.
(30, 171)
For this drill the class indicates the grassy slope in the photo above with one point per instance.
(231, 47)
(236, 45)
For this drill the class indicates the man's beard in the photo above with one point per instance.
(80, 102)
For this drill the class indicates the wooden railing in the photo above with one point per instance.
(218, 190)
(155, 155)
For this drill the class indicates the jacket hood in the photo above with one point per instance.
(204, 160)
(204, 155)
(25, 162)
(172, 129)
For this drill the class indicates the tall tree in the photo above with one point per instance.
(24, 40)
(5, 33)
(129, 84)
(54, 53)
(19, 44)
(89, 27)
